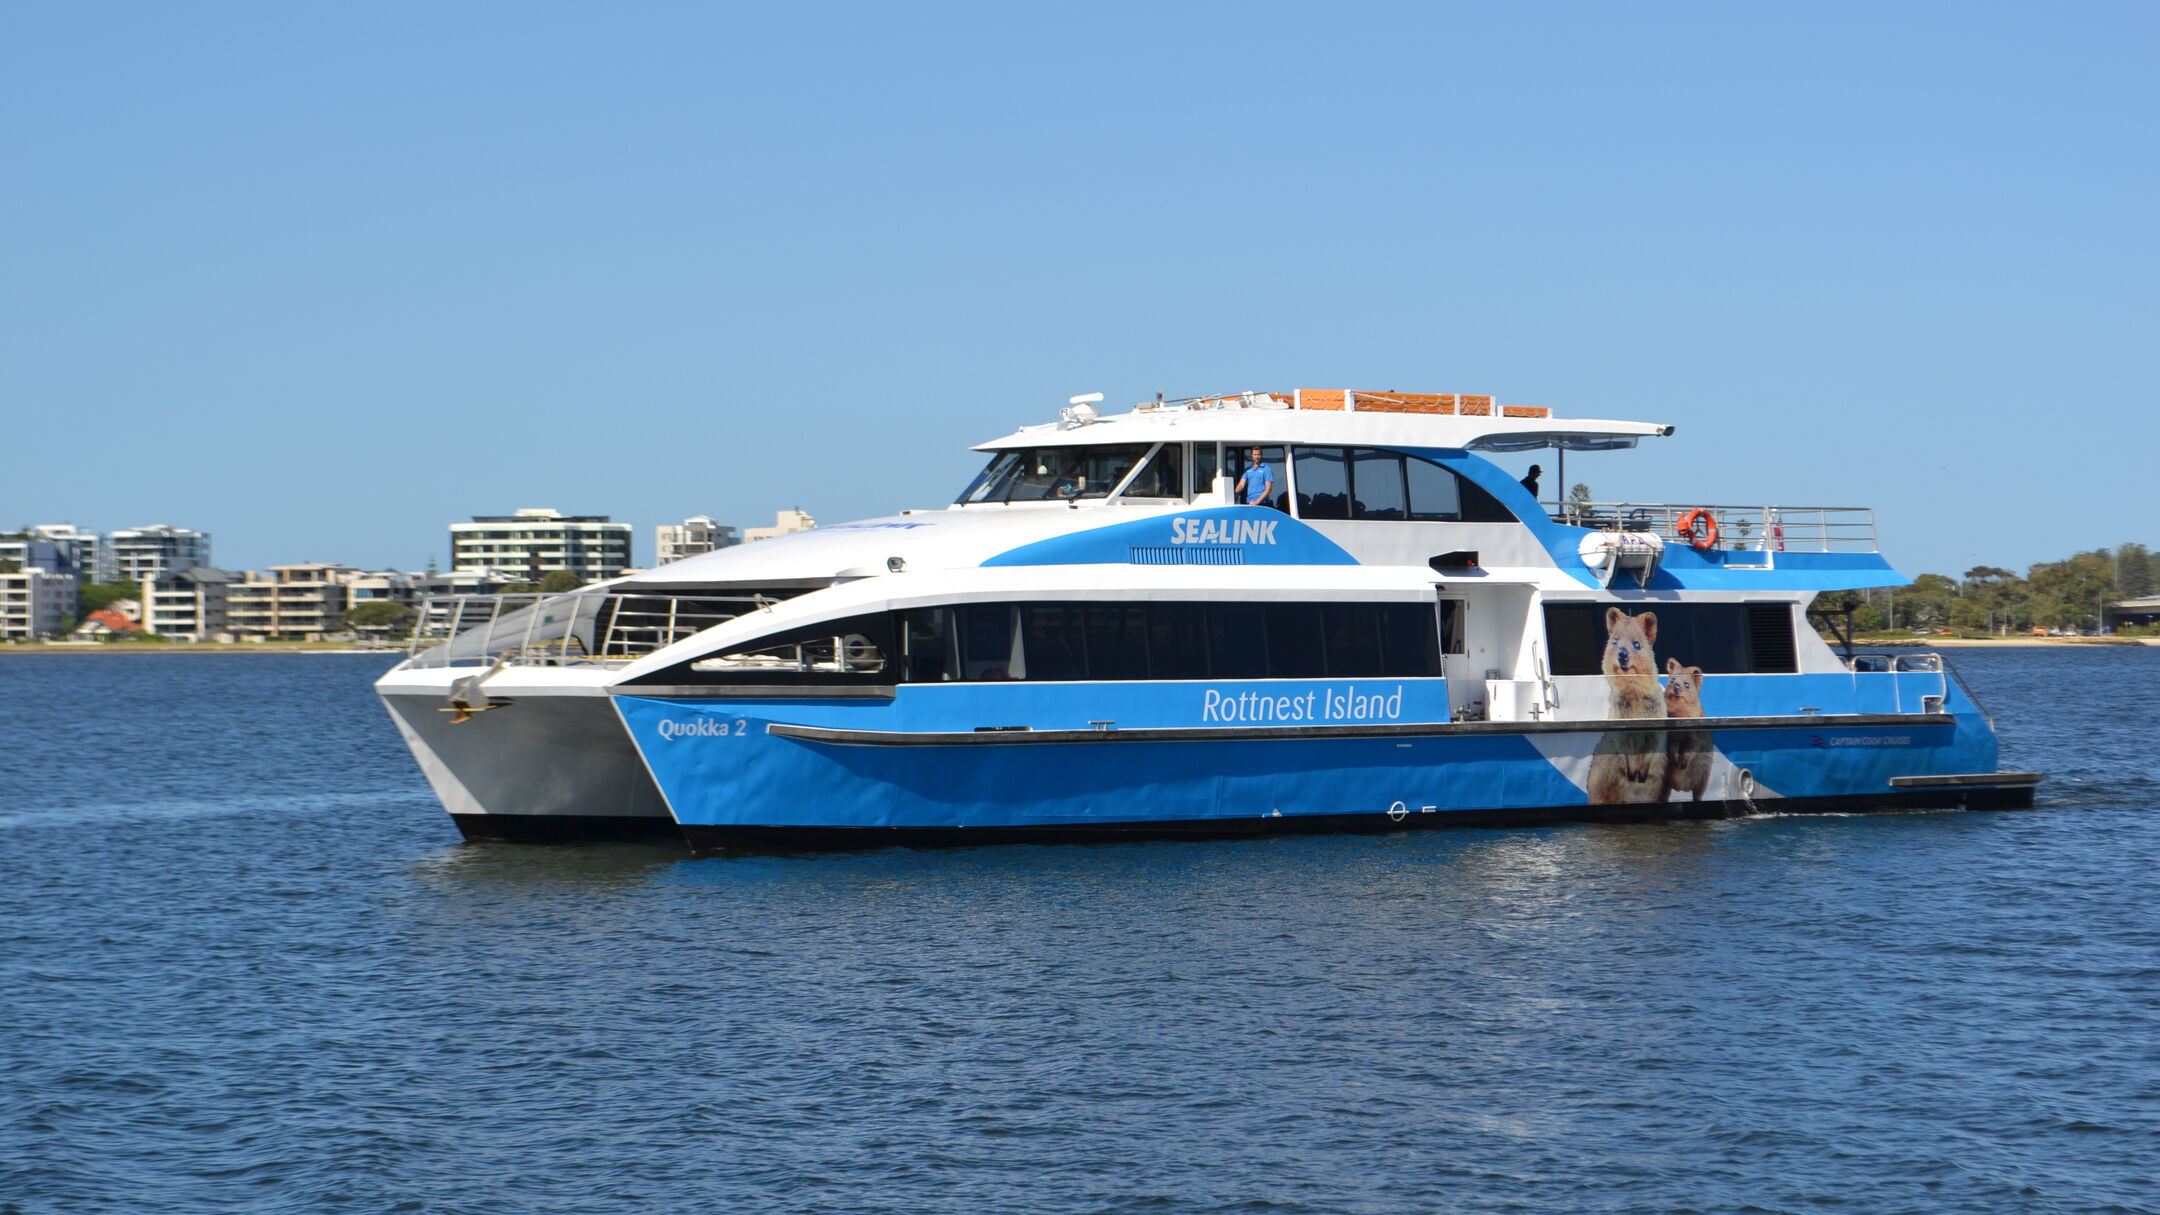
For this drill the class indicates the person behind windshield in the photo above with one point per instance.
(1258, 480)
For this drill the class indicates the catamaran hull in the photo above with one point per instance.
(552, 766)
(735, 778)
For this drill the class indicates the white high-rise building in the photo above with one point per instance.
(540, 541)
(784, 522)
(694, 535)
(35, 602)
(137, 553)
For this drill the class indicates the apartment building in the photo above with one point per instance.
(34, 602)
(138, 553)
(784, 522)
(694, 535)
(304, 601)
(537, 541)
(189, 604)
(58, 548)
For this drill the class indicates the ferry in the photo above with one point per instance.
(1318, 610)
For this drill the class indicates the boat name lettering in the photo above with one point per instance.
(1222, 531)
(1320, 704)
(1866, 740)
(873, 527)
(703, 727)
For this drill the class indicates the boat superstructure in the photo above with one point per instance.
(1103, 636)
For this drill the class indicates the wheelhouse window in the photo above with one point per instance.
(1163, 476)
(1369, 484)
(1050, 474)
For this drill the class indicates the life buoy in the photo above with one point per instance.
(1686, 528)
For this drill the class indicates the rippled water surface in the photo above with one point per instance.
(246, 965)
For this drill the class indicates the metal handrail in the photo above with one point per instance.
(528, 628)
(1799, 529)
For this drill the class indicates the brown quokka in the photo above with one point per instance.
(1687, 752)
(1629, 765)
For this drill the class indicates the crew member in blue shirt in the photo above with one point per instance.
(1259, 480)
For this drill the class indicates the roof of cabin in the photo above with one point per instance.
(1335, 416)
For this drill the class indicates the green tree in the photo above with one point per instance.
(380, 617)
(97, 596)
(555, 582)
(2134, 571)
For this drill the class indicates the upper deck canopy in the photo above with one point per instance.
(1323, 416)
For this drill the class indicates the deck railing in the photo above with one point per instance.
(576, 628)
(1797, 529)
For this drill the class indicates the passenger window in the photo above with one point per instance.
(1177, 641)
(1353, 639)
(837, 651)
(1295, 643)
(986, 641)
(1323, 483)
(1116, 641)
(1406, 640)
(1376, 485)
(926, 646)
(1435, 492)
(1440, 493)
(1055, 646)
(1237, 641)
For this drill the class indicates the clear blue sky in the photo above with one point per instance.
(321, 279)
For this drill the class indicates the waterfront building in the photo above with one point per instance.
(538, 541)
(784, 522)
(2128, 613)
(58, 548)
(305, 601)
(136, 553)
(105, 624)
(694, 535)
(189, 604)
(34, 602)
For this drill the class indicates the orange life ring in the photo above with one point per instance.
(1686, 528)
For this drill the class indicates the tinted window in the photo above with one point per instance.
(1376, 485)
(1353, 639)
(926, 646)
(1296, 646)
(1323, 483)
(1177, 640)
(1438, 493)
(1237, 642)
(986, 640)
(1435, 492)
(1407, 645)
(1053, 640)
(1116, 641)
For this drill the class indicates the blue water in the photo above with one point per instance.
(247, 966)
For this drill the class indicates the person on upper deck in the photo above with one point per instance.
(1258, 480)
(1529, 481)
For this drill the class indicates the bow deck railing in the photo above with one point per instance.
(576, 628)
(1797, 529)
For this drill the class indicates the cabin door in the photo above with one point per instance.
(1464, 685)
